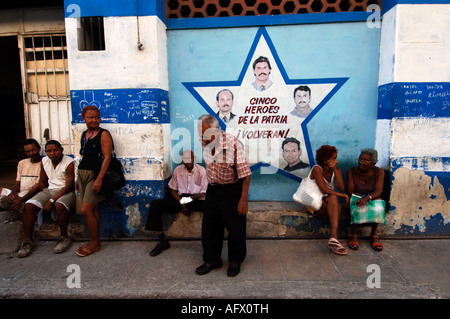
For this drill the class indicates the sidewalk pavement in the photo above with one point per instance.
(273, 269)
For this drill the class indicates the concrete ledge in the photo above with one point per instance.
(264, 220)
(270, 220)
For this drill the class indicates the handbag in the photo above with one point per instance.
(308, 194)
(372, 213)
(114, 178)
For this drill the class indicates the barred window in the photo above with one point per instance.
(91, 34)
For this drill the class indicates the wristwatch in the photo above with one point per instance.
(52, 200)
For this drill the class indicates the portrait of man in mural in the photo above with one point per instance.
(302, 97)
(291, 154)
(225, 103)
(261, 70)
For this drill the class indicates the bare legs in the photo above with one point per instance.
(332, 208)
(29, 218)
(92, 216)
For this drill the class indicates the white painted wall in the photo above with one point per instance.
(423, 43)
(388, 46)
(414, 50)
(144, 148)
(415, 41)
(420, 137)
(121, 64)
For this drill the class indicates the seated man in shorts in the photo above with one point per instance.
(56, 185)
(26, 181)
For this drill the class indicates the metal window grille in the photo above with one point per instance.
(46, 66)
(46, 88)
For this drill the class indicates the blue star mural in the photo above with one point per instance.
(267, 107)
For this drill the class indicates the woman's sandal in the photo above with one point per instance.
(335, 246)
(375, 245)
(353, 242)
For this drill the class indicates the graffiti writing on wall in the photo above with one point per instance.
(123, 105)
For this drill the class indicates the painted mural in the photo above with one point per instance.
(267, 111)
(281, 101)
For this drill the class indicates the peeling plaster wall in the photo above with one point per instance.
(131, 88)
(420, 204)
(414, 116)
(129, 85)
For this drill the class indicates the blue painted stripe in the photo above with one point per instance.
(134, 197)
(387, 5)
(422, 163)
(266, 20)
(123, 105)
(114, 8)
(414, 99)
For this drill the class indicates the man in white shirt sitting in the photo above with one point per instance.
(187, 189)
(56, 185)
(26, 181)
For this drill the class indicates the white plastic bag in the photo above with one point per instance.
(308, 194)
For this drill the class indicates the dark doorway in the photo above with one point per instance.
(12, 122)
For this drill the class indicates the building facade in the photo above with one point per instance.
(376, 75)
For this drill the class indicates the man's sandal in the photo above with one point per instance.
(375, 244)
(335, 246)
(83, 251)
(353, 242)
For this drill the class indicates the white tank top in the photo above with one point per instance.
(330, 184)
(56, 175)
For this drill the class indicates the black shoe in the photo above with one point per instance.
(160, 248)
(206, 268)
(233, 269)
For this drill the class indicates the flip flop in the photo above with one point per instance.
(335, 246)
(83, 252)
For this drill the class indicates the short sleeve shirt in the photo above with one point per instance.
(225, 162)
(28, 175)
(185, 182)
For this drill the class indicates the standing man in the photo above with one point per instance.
(187, 189)
(56, 184)
(26, 186)
(261, 70)
(302, 97)
(225, 104)
(226, 203)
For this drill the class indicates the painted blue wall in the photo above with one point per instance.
(123, 105)
(319, 51)
(115, 8)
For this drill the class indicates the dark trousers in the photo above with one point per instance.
(221, 211)
(170, 205)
